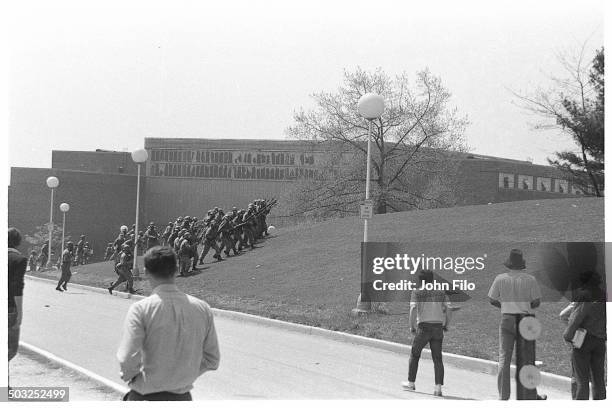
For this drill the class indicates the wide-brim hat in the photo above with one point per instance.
(515, 260)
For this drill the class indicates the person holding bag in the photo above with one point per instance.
(588, 352)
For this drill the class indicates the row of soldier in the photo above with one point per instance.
(83, 253)
(228, 233)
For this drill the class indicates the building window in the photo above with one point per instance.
(544, 184)
(561, 186)
(525, 182)
(506, 180)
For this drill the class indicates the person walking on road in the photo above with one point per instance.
(17, 264)
(169, 338)
(517, 294)
(67, 258)
(430, 315)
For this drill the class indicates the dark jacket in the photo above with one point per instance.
(590, 316)
(17, 264)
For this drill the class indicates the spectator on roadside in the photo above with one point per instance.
(430, 315)
(17, 264)
(517, 294)
(588, 360)
(169, 338)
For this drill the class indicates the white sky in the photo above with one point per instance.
(106, 74)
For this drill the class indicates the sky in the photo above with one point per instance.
(107, 74)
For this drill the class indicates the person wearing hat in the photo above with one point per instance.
(67, 257)
(517, 294)
(124, 269)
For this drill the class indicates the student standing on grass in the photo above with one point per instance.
(169, 338)
(430, 316)
(517, 294)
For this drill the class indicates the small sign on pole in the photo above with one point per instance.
(366, 209)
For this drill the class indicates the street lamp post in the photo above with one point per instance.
(139, 156)
(52, 183)
(370, 107)
(64, 208)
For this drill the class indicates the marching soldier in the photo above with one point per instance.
(248, 227)
(79, 251)
(167, 233)
(109, 251)
(67, 257)
(118, 243)
(185, 253)
(44, 255)
(210, 241)
(87, 253)
(124, 269)
(32, 261)
(225, 233)
(152, 237)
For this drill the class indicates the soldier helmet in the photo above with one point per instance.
(33, 252)
(123, 228)
(151, 223)
(126, 245)
(234, 209)
(87, 243)
(69, 244)
(169, 223)
(82, 236)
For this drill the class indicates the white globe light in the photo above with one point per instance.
(371, 106)
(64, 207)
(52, 182)
(140, 155)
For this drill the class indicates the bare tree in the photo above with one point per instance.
(412, 145)
(574, 104)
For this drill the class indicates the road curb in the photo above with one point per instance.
(117, 388)
(463, 362)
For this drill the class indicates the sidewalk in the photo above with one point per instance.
(30, 370)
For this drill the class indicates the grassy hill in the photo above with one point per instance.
(310, 273)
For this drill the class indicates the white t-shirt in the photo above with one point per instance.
(515, 290)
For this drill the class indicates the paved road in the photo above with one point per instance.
(257, 362)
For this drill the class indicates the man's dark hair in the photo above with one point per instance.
(14, 237)
(426, 275)
(160, 261)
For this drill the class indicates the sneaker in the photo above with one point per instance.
(65, 287)
(110, 290)
(408, 386)
(58, 288)
(542, 397)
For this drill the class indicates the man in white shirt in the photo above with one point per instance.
(169, 338)
(516, 293)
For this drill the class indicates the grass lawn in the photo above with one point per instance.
(310, 273)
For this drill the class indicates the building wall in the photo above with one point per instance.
(95, 162)
(99, 203)
(478, 181)
(168, 198)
